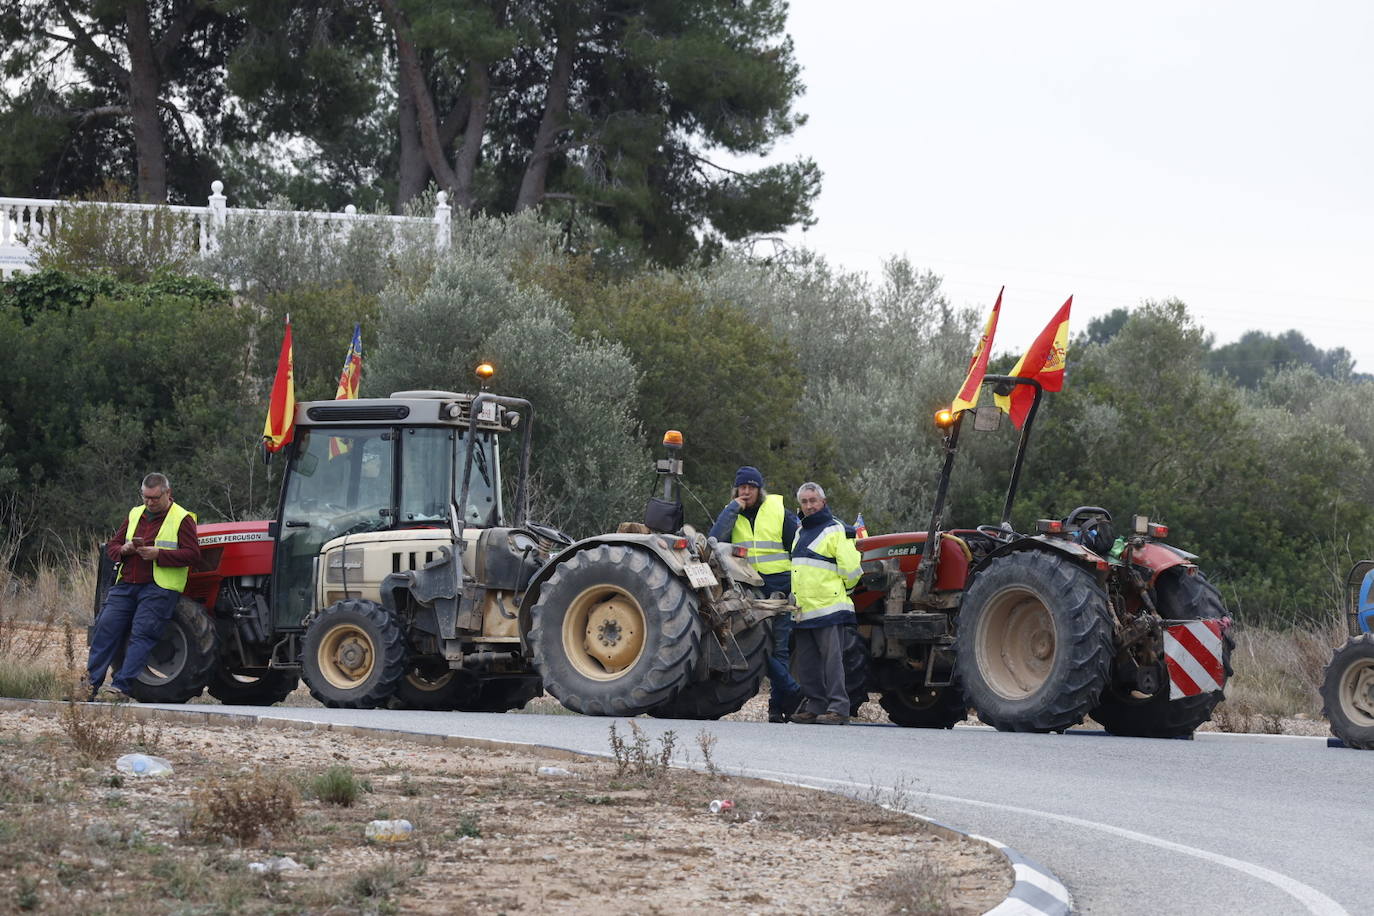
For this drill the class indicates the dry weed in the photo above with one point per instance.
(921, 887)
(245, 807)
(637, 757)
(95, 730)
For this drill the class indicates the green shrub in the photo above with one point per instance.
(337, 786)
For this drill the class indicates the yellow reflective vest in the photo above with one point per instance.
(767, 552)
(168, 577)
(824, 568)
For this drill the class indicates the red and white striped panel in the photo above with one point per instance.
(1192, 653)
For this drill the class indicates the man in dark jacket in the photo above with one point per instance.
(758, 521)
(156, 548)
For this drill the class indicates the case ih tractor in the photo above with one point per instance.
(1038, 631)
(1347, 688)
(390, 575)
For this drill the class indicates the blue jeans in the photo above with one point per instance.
(136, 612)
(783, 690)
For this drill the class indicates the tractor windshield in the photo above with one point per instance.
(431, 467)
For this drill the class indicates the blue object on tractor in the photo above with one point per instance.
(1364, 612)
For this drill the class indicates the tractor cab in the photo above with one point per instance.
(380, 471)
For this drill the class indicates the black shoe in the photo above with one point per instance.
(776, 717)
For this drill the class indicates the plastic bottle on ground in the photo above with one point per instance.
(143, 765)
(393, 831)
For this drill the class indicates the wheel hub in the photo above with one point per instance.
(1359, 692)
(614, 634)
(1016, 644)
(346, 656)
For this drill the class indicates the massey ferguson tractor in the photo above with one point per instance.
(1038, 631)
(1347, 688)
(391, 575)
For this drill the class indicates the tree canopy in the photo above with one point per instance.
(612, 112)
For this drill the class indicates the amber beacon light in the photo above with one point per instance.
(944, 418)
(673, 438)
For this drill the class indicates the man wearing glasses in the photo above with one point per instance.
(155, 550)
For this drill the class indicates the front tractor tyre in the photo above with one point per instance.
(614, 633)
(1348, 693)
(353, 655)
(1178, 596)
(919, 706)
(1034, 645)
(180, 665)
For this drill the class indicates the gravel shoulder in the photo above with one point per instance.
(495, 830)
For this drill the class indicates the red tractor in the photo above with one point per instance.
(1037, 632)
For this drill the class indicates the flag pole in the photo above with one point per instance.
(1004, 385)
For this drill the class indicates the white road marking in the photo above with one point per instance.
(1314, 900)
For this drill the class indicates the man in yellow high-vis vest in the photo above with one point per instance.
(156, 548)
(760, 522)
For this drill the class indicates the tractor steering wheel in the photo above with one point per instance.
(1083, 513)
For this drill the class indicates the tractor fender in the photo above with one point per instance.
(650, 542)
(1157, 557)
(1072, 549)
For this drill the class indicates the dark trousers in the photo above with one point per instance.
(136, 612)
(783, 690)
(818, 666)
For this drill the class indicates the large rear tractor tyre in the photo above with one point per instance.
(726, 692)
(924, 707)
(1178, 596)
(1035, 643)
(353, 655)
(614, 633)
(1348, 693)
(263, 688)
(180, 664)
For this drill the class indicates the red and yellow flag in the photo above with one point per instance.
(978, 366)
(352, 368)
(280, 427)
(348, 383)
(1044, 362)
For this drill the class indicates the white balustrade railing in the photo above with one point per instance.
(25, 221)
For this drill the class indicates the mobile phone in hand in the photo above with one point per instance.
(139, 542)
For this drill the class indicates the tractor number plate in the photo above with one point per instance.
(700, 575)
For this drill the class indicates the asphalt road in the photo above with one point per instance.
(1221, 824)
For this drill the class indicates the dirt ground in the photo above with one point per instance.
(493, 832)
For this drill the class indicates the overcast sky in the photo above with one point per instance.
(1217, 152)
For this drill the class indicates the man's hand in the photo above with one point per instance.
(147, 553)
(739, 505)
(127, 549)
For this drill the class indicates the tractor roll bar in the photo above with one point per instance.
(526, 411)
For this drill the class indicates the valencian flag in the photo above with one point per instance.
(352, 367)
(1044, 362)
(281, 410)
(860, 529)
(349, 377)
(978, 366)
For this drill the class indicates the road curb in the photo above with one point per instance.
(1035, 891)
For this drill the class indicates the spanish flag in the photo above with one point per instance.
(280, 427)
(978, 366)
(1044, 362)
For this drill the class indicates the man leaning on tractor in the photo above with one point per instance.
(155, 550)
(757, 520)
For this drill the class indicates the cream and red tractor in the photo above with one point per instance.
(1037, 632)
(392, 576)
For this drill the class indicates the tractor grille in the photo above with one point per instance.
(405, 562)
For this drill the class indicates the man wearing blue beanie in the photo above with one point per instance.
(758, 521)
